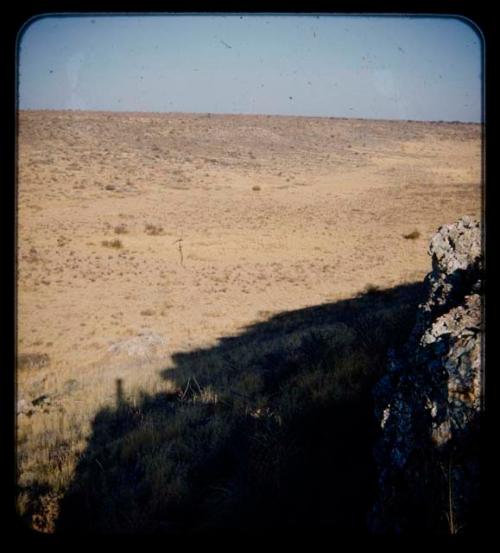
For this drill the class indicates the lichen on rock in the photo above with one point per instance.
(429, 401)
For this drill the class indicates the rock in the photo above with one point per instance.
(143, 345)
(456, 247)
(428, 403)
(23, 407)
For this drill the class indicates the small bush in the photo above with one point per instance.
(153, 230)
(256, 188)
(412, 235)
(112, 244)
(120, 229)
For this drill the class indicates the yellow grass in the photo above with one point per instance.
(204, 255)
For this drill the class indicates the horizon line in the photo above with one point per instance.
(242, 114)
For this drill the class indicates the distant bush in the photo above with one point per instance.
(153, 230)
(412, 235)
(120, 229)
(256, 188)
(112, 243)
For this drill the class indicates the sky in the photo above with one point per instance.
(417, 68)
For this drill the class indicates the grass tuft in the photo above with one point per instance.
(117, 244)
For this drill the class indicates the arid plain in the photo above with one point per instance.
(143, 235)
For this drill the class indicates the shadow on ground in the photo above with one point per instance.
(272, 428)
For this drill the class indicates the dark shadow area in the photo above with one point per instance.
(270, 429)
(429, 459)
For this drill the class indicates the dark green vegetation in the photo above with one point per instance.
(273, 428)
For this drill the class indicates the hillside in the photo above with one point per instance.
(143, 238)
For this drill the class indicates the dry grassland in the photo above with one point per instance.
(142, 236)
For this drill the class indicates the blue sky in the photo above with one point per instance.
(342, 66)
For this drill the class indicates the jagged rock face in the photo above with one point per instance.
(429, 402)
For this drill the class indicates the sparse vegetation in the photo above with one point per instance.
(32, 360)
(256, 187)
(121, 229)
(271, 425)
(117, 244)
(153, 230)
(225, 444)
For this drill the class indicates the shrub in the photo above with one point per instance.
(153, 230)
(112, 243)
(412, 235)
(256, 188)
(120, 229)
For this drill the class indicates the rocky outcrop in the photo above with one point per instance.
(428, 403)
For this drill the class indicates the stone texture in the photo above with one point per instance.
(428, 403)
